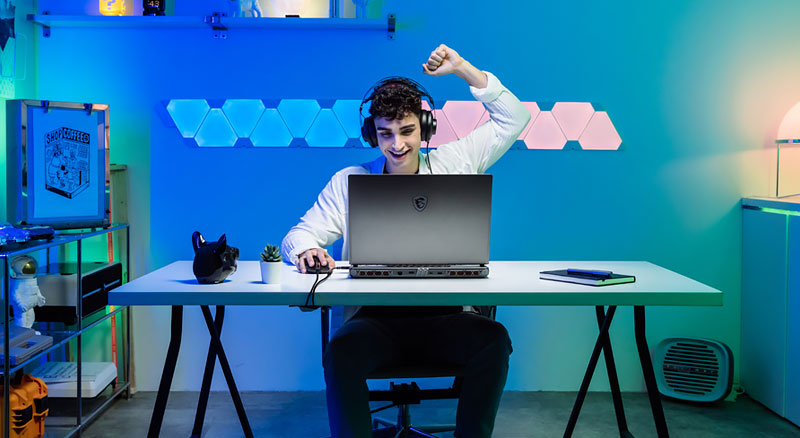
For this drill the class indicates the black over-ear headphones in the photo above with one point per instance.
(427, 122)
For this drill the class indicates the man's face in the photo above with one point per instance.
(399, 140)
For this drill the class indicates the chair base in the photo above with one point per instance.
(402, 429)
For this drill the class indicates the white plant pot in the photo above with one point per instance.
(271, 272)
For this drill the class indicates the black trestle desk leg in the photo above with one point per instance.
(169, 370)
(647, 371)
(211, 360)
(587, 378)
(613, 381)
(226, 370)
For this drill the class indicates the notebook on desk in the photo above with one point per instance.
(404, 226)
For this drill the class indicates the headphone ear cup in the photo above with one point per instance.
(427, 125)
(368, 131)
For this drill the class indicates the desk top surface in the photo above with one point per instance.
(509, 283)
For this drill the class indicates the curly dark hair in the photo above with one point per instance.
(395, 101)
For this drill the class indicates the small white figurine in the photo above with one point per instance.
(24, 290)
(244, 8)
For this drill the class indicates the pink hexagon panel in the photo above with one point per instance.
(545, 133)
(572, 117)
(600, 133)
(463, 115)
(444, 131)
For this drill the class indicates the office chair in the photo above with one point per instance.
(405, 394)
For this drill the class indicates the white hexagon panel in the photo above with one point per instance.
(600, 133)
(216, 130)
(545, 133)
(463, 115)
(572, 117)
(188, 114)
(270, 131)
(444, 132)
(532, 107)
(298, 114)
(326, 131)
(243, 114)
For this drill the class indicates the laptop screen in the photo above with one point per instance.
(419, 219)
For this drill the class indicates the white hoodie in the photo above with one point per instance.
(326, 221)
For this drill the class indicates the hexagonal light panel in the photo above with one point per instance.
(298, 114)
(463, 115)
(326, 131)
(270, 131)
(444, 132)
(346, 111)
(600, 133)
(532, 107)
(187, 114)
(243, 114)
(572, 117)
(215, 130)
(545, 133)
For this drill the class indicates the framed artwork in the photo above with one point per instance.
(57, 163)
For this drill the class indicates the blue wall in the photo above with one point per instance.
(695, 89)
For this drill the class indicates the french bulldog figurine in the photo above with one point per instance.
(213, 262)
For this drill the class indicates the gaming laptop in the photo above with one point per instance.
(419, 225)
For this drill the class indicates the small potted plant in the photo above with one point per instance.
(271, 264)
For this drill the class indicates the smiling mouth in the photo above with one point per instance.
(398, 155)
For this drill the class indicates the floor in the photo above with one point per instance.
(522, 414)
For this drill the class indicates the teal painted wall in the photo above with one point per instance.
(695, 88)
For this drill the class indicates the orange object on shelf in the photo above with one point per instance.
(37, 394)
(28, 402)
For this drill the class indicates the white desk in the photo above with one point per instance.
(509, 283)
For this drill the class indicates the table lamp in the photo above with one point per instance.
(788, 132)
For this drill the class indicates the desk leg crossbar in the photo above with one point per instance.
(214, 350)
(604, 343)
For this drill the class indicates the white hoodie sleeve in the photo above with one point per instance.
(481, 148)
(324, 222)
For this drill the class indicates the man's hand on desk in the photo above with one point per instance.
(308, 255)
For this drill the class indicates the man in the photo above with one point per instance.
(374, 337)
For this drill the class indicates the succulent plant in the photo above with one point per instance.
(271, 253)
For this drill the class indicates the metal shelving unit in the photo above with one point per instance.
(67, 426)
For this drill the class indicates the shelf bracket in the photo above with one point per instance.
(391, 25)
(215, 21)
(45, 28)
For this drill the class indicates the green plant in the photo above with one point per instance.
(271, 253)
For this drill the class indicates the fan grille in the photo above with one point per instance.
(691, 368)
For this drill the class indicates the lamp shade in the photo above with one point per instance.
(789, 129)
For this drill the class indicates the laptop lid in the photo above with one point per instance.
(419, 219)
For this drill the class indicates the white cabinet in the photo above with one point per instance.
(770, 354)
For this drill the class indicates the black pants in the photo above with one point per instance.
(367, 342)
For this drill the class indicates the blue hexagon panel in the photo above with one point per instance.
(298, 114)
(326, 131)
(243, 114)
(216, 130)
(270, 131)
(187, 114)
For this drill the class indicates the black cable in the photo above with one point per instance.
(427, 156)
(317, 282)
